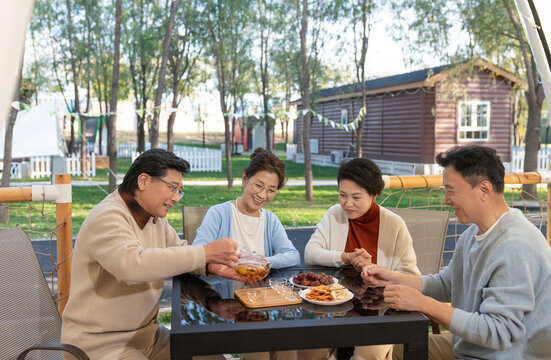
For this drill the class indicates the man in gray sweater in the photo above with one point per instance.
(498, 281)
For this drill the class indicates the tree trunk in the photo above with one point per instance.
(232, 135)
(83, 145)
(170, 131)
(233, 118)
(287, 107)
(8, 143)
(267, 124)
(154, 135)
(203, 125)
(6, 171)
(227, 140)
(222, 90)
(532, 140)
(307, 117)
(243, 123)
(112, 124)
(286, 130)
(365, 42)
(71, 147)
(170, 124)
(89, 44)
(75, 85)
(8, 139)
(172, 117)
(264, 71)
(227, 148)
(141, 132)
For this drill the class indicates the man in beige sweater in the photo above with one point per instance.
(124, 250)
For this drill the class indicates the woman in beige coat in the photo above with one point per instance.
(358, 231)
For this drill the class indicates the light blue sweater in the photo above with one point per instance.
(501, 289)
(279, 250)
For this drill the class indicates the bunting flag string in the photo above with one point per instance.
(17, 105)
(352, 126)
(22, 106)
(260, 116)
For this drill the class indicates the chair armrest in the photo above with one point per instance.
(75, 351)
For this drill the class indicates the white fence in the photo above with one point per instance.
(200, 159)
(127, 150)
(74, 168)
(16, 171)
(41, 166)
(517, 158)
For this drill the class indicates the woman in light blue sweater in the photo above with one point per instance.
(244, 218)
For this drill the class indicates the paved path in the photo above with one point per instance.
(186, 183)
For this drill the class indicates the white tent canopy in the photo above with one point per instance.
(14, 18)
(37, 132)
(536, 20)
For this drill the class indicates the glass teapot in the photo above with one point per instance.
(252, 266)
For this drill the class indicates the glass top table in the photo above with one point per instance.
(207, 319)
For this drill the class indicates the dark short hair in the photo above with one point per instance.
(475, 163)
(264, 160)
(154, 163)
(365, 173)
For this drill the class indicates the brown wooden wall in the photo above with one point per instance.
(414, 125)
(484, 87)
(394, 127)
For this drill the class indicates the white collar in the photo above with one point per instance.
(485, 235)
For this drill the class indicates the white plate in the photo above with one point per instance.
(306, 291)
(335, 281)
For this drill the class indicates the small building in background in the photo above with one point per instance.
(412, 117)
(252, 136)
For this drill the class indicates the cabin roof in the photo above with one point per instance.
(426, 77)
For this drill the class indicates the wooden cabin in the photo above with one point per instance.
(412, 117)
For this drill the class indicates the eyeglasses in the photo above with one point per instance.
(259, 187)
(175, 189)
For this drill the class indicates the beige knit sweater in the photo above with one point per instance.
(117, 278)
(394, 250)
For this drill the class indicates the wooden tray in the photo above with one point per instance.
(272, 299)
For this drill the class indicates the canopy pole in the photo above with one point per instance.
(64, 225)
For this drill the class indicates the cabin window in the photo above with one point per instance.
(344, 116)
(473, 120)
(314, 146)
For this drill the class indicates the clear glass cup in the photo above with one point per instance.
(277, 283)
(287, 290)
(257, 295)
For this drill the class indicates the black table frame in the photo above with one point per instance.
(187, 341)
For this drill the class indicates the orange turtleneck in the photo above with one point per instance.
(363, 232)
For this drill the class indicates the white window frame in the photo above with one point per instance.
(344, 116)
(461, 129)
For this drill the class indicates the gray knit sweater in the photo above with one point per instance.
(501, 289)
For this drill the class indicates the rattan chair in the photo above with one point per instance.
(192, 217)
(30, 325)
(428, 232)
